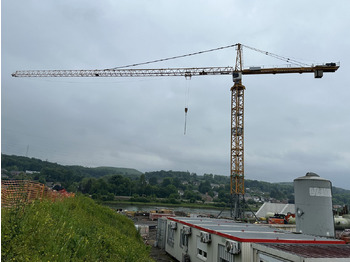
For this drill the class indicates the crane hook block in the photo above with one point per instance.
(186, 109)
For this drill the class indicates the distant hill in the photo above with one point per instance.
(21, 163)
(79, 178)
(103, 171)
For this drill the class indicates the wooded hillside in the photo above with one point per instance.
(175, 186)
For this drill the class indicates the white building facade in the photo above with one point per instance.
(204, 239)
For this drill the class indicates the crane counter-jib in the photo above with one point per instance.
(199, 71)
(328, 68)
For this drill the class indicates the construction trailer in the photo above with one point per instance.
(204, 239)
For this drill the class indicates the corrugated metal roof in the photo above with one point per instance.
(275, 208)
(244, 232)
(314, 251)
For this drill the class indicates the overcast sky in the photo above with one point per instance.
(293, 123)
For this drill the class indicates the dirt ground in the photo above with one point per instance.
(157, 254)
(160, 255)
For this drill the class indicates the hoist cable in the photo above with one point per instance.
(187, 95)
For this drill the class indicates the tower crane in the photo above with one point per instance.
(237, 189)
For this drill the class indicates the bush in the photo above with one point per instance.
(75, 229)
(140, 199)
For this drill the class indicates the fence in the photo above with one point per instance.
(17, 192)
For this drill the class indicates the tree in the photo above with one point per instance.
(194, 176)
(121, 186)
(42, 179)
(204, 187)
(224, 195)
(171, 189)
(191, 195)
(275, 193)
(142, 184)
(209, 177)
(101, 186)
(150, 190)
(176, 182)
(74, 187)
(167, 181)
(153, 181)
(86, 185)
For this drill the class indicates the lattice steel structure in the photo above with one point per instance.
(237, 98)
(187, 72)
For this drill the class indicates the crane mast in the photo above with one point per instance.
(237, 139)
(237, 101)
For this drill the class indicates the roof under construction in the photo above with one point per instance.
(313, 250)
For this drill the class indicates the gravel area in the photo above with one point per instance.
(157, 254)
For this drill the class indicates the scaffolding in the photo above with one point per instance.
(19, 192)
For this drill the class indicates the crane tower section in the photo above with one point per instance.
(237, 98)
(237, 137)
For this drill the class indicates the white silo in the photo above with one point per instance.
(313, 205)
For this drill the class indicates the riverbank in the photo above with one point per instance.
(172, 205)
(182, 204)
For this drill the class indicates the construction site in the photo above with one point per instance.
(237, 173)
(313, 237)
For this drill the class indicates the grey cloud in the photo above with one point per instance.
(293, 123)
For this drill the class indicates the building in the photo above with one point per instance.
(203, 239)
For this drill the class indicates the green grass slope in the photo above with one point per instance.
(75, 229)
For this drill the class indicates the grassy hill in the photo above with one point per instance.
(75, 229)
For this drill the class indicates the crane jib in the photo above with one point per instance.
(127, 72)
(187, 72)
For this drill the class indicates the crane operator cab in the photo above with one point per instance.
(236, 76)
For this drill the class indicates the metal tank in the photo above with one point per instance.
(342, 222)
(313, 205)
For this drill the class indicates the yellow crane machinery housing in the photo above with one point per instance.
(237, 98)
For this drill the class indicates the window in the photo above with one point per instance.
(202, 254)
(171, 236)
(202, 249)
